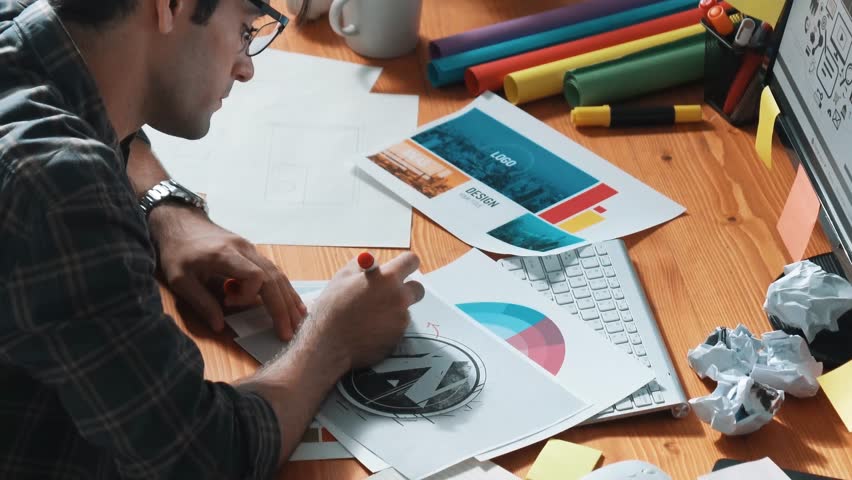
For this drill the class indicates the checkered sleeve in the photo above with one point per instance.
(89, 322)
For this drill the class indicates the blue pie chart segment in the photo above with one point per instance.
(528, 330)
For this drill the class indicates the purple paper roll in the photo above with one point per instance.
(539, 22)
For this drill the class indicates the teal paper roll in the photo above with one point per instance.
(644, 72)
(448, 70)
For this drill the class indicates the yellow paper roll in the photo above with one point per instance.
(546, 80)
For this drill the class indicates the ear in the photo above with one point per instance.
(167, 11)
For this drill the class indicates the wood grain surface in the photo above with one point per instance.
(707, 268)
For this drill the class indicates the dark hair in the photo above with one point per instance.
(96, 13)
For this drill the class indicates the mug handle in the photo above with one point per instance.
(335, 15)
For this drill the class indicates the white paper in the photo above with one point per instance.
(320, 447)
(738, 408)
(254, 320)
(445, 396)
(295, 182)
(726, 355)
(764, 469)
(467, 470)
(539, 180)
(475, 283)
(809, 298)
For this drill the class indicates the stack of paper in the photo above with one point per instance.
(277, 165)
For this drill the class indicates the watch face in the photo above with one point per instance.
(425, 376)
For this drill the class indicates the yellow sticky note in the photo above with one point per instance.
(799, 216)
(767, 10)
(837, 386)
(561, 460)
(766, 126)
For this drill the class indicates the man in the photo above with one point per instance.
(95, 380)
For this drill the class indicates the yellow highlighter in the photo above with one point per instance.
(617, 116)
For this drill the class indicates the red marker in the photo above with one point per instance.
(706, 5)
(367, 262)
(231, 286)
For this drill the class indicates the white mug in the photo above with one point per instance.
(377, 28)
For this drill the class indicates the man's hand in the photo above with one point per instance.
(195, 252)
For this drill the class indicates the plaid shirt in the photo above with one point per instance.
(96, 381)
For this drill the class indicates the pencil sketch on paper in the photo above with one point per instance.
(425, 377)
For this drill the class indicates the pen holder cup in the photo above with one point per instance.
(722, 61)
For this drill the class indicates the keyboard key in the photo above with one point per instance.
(603, 334)
(585, 303)
(564, 298)
(623, 405)
(640, 351)
(540, 285)
(601, 249)
(572, 308)
(654, 386)
(606, 306)
(608, 410)
(587, 252)
(631, 327)
(627, 316)
(594, 273)
(597, 284)
(605, 261)
(602, 295)
(520, 274)
(590, 262)
(613, 283)
(577, 282)
(512, 263)
(611, 317)
(582, 292)
(575, 271)
(618, 338)
(657, 396)
(642, 398)
(596, 324)
(554, 277)
(625, 347)
(560, 287)
(552, 263)
(546, 294)
(614, 327)
(621, 304)
(635, 339)
(645, 361)
(534, 269)
(617, 294)
(569, 258)
(609, 271)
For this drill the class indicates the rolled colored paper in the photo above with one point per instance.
(530, 24)
(643, 72)
(546, 80)
(450, 69)
(490, 76)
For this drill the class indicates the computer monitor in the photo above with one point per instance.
(811, 78)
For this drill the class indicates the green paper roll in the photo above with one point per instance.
(644, 72)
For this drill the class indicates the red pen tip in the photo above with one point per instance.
(365, 260)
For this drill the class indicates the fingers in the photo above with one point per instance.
(201, 300)
(402, 266)
(414, 292)
(280, 299)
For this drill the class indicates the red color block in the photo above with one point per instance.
(600, 209)
(578, 203)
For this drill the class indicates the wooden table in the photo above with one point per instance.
(709, 267)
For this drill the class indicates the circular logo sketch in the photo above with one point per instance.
(424, 376)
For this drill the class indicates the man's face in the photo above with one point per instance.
(196, 65)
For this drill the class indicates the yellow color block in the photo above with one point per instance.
(548, 79)
(766, 126)
(561, 460)
(767, 10)
(837, 386)
(581, 221)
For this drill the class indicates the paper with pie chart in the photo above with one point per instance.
(560, 342)
(448, 392)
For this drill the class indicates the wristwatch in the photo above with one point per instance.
(170, 190)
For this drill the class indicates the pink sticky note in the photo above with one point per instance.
(799, 216)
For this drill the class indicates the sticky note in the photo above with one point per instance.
(837, 386)
(767, 10)
(561, 460)
(766, 126)
(799, 216)
(764, 469)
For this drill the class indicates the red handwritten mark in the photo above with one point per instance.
(435, 326)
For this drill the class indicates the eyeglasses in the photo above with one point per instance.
(257, 39)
